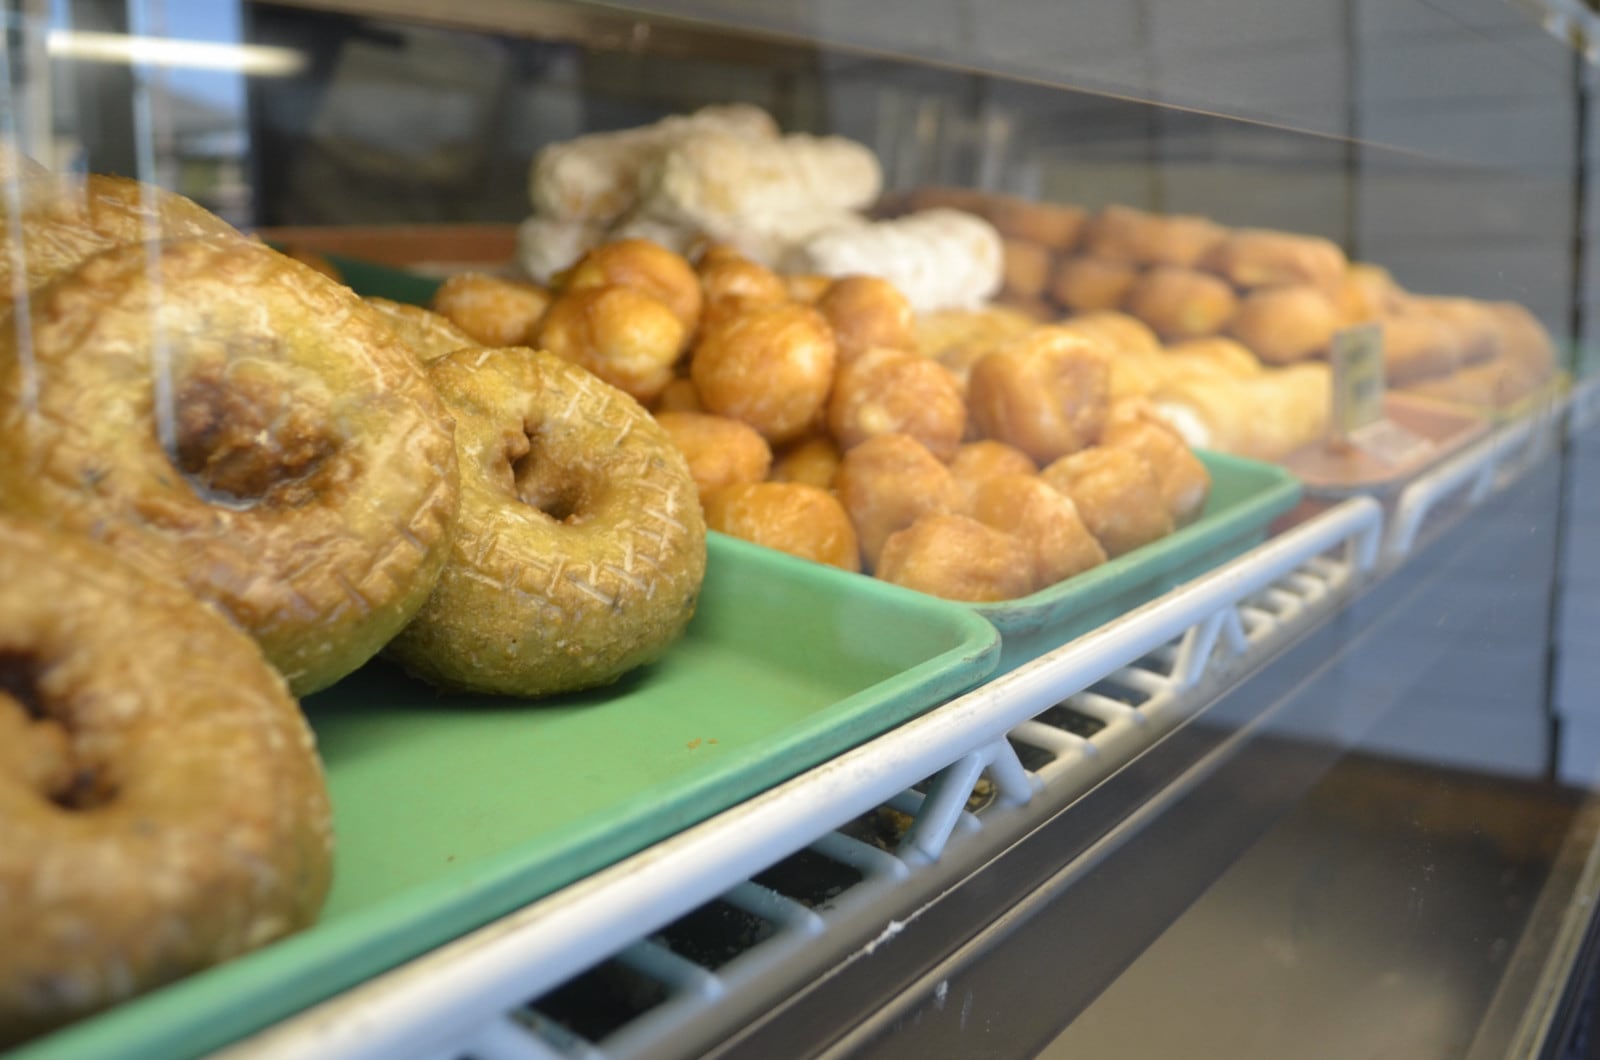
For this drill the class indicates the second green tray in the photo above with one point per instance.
(1246, 496)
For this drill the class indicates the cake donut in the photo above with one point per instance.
(221, 414)
(581, 545)
(162, 808)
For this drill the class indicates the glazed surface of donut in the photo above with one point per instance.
(161, 804)
(279, 452)
(581, 545)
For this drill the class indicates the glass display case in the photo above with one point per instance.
(1312, 772)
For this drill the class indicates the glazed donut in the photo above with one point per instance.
(644, 266)
(889, 482)
(958, 558)
(1044, 223)
(581, 545)
(734, 284)
(1259, 257)
(1120, 333)
(1044, 393)
(161, 804)
(493, 311)
(867, 312)
(887, 391)
(314, 260)
(302, 476)
(429, 334)
(1121, 233)
(1084, 285)
(791, 517)
(1025, 269)
(720, 452)
(1283, 325)
(60, 221)
(1181, 303)
(771, 366)
(628, 338)
(1044, 520)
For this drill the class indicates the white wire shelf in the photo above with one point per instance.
(1040, 737)
(1134, 679)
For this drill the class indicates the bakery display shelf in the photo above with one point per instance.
(1467, 479)
(797, 878)
(452, 809)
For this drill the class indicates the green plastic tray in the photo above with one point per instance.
(1246, 496)
(452, 810)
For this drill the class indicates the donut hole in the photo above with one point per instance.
(542, 483)
(245, 436)
(50, 759)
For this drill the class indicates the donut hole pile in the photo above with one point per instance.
(813, 422)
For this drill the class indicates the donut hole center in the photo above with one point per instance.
(245, 435)
(542, 483)
(45, 746)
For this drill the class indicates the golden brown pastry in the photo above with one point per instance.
(1367, 293)
(958, 558)
(1525, 362)
(1026, 269)
(429, 335)
(950, 329)
(313, 260)
(770, 366)
(581, 544)
(1118, 332)
(1045, 224)
(807, 287)
(812, 460)
(1033, 307)
(1121, 233)
(625, 337)
(495, 312)
(49, 225)
(977, 462)
(644, 266)
(1185, 483)
(791, 517)
(867, 312)
(1215, 355)
(1116, 493)
(1429, 337)
(1283, 325)
(1259, 257)
(1085, 284)
(162, 808)
(1044, 519)
(888, 391)
(720, 452)
(1266, 417)
(1045, 393)
(302, 477)
(737, 282)
(1181, 303)
(887, 483)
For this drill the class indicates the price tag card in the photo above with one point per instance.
(1359, 421)
(1356, 356)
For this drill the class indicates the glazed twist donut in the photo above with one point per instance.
(581, 544)
(161, 804)
(219, 413)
